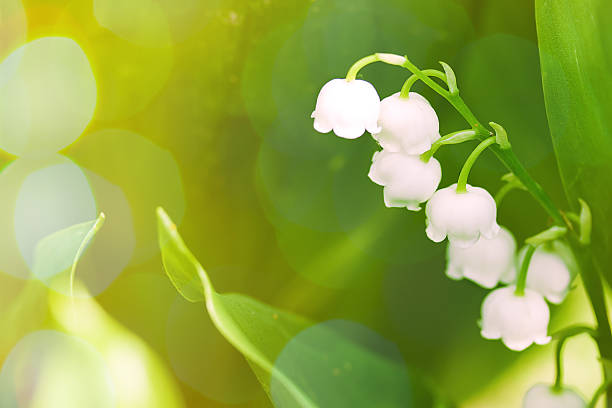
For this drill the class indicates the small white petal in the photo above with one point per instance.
(464, 216)
(321, 126)
(518, 320)
(347, 107)
(409, 124)
(516, 344)
(485, 262)
(542, 340)
(435, 234)
(545, 396)
(408, 180)
(349, 132)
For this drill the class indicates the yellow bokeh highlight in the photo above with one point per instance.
(48, 96)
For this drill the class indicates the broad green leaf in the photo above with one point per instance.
(575, 41)
(298, 364)
(56, 256)
(257, 330)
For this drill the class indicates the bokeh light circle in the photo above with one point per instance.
(154, 23)
(50, 199)
(52, 369)
(41, 195)
(48, 96)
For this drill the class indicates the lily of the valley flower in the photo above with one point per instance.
(487, 262)
(407, 180)
(545, 396)
(548, 273)
(349, 108)
(517, 320)
(407, 124)
(463, 217)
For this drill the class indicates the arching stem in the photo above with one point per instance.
(467, 166)
(563, 337)
(521, 281)
(413, 78)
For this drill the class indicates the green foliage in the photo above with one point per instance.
(576, 63)
(298, 364)
(57, 255)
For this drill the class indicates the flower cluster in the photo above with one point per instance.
(406, 127)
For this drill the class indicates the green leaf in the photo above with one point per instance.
(298, 363)
(56, 256)
(451, 80)
(501, 136)
(576, 59)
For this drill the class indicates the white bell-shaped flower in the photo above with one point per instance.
(463, 217)
(548, 273)
(545, 396)
(407, 124)
(517, 320)
(349, 108)
(486, 262)
(408, 181)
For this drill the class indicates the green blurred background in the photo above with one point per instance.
(203, 107)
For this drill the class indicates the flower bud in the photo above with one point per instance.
(407, 179)
(486, 262)
(349, 108)
(517, 320)
(407, 124)
(545, 396)
(463, 217)
(548, 272)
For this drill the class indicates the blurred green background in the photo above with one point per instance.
(203, 107)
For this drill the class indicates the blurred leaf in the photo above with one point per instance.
(257, 330)
(269, 339)
(576, 64)
(139, 377)
(60, 252)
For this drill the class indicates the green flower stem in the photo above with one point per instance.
(506, 156)
(452, 138)
(413, 78)
(598, 393)
(563, 336)
(521, 281)
(503, 191)
(354, 69)
(467, 166)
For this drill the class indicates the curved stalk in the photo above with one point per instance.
(598, 393)
(521, 280)
(413, 78)
(467, 166)
(354, 69)
(452, 138)
(563, 337)
(502, 192)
